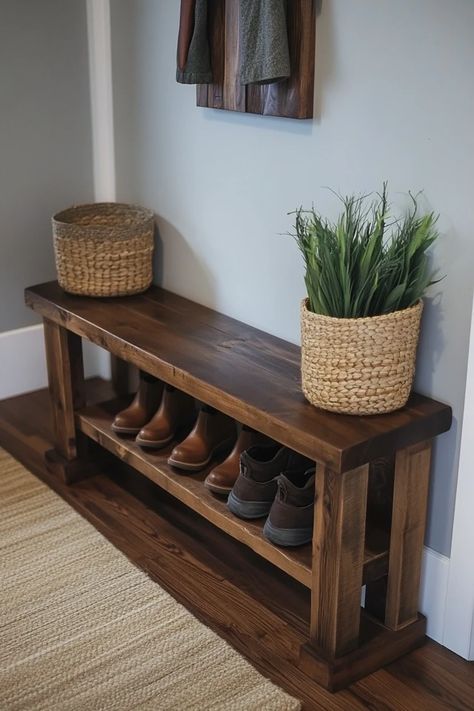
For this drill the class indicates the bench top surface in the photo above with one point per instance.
(246, 373)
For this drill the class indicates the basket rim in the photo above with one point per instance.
(379, 318)
(144, 212)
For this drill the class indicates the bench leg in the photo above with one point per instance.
(410, 498)
(67, 393)
(121, 375)
(338, 559)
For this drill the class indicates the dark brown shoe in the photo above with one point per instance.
(176, 411)
(213, 434)
(290, 521)
(256, 486)
(223, 477)
(142, 407)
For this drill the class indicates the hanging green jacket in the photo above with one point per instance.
(263, 39)
(193, 60)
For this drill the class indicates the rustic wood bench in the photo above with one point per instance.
(372, 473)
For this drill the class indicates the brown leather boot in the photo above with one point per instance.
(142, 407)
(176, 410)
(222, 478)
(212, 434)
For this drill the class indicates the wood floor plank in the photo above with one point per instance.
(436, 681)
(437, 658)
(383, 690)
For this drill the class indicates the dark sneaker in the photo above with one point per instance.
(253, 493)
(290, 522)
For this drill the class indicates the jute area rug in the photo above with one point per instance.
(82, 628)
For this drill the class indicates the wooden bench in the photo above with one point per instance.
(372, 473)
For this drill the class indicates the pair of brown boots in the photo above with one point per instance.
(213, 433)
(155, 427)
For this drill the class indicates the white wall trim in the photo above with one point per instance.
(434, 586)
(23, 363)
(102, 110)
(433, 590)
(102, 118)
(459, 615)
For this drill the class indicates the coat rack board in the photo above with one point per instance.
(291, 98)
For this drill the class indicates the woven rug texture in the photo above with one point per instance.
(82, 629)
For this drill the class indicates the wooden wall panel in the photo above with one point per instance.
(292, 98)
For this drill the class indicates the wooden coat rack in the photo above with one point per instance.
(291, 98)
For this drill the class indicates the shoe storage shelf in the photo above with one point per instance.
(298, 608)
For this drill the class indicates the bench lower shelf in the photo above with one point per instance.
(95, 422)
(261, 611)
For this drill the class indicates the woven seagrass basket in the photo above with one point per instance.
(360, 366)
(104, 249)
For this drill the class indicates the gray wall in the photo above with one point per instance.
(394, 100)
(45, 138)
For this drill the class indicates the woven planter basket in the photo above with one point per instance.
(360, 366)
(104, 249)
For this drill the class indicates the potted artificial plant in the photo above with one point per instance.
(365, 278)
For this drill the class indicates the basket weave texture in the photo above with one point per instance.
(104, 249)
(361, 366)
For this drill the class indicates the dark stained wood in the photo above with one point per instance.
(95, 421)
(410, 500)
(73, 470)
(254, 378)
(180, 558)
(244, 372)
(120, 375)
(292, 98)
(375, 554)
(66, 384)
(399, 696)
(213, 94)
(440, 673)
(379, 517)
(378, 648)
(338, 558)
(380, 492)
(233, 91)
(69, 458)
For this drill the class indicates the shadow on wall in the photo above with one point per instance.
(432, 340)
(158, 256)
(445, 448)
(169, 239)
(444, 463)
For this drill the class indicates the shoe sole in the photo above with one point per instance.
(159, 444)
(248, 509)
(287, 537)
(126, 430)
(222, 490)
(197, 466)
(154, 444)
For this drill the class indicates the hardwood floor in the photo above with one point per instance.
(429, 678)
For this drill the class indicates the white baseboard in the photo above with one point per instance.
(434, 589)
(23, 363)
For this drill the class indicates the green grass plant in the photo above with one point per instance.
(366, 263)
